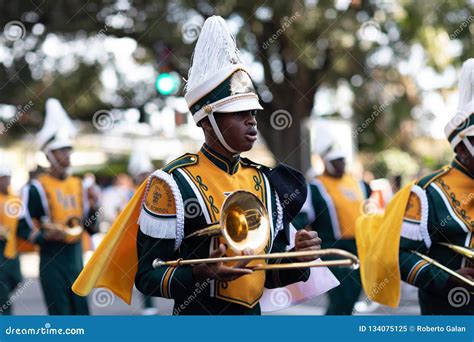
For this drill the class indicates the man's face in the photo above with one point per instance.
(339, 167)
(471, 142)
(239, 129)
(63, 156)
(465, 155)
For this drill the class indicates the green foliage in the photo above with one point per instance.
(394, 162)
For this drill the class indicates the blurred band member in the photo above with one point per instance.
(335, 200)
(58, 209)
(10, 275)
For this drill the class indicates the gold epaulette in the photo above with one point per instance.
(184, 160)
(425, 181)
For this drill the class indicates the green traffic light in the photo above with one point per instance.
(167, 83)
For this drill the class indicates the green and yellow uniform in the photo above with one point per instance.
(185, 196)
(332, 208)
(59, 201)
(440, 210)
(10, 274)
(420, 219)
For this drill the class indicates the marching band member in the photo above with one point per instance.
(431, 216)
(187, 195)
(335, 200)
(10, 274)
(58, 208)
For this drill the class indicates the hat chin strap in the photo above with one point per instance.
(216, 129)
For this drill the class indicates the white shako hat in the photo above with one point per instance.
(332, 152)
(58, 129)
(218, 81)
(139, 162)
(461, 126)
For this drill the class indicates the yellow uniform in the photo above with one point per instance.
(332, 209)
(10, 275)
(60, 201)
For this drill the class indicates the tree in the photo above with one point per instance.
(301, 47)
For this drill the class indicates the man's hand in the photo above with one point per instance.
(53, 232)
(466, 272)
(307, 241)
(218, 270)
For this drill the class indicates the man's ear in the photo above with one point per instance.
(206, 126)
(462, 151)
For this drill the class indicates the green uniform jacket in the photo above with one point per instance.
(319, 212)
(438, 204)
(60, 263)
(190, 297)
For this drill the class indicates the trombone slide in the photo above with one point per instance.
(351, 260)
(465, 251)
(444, 268)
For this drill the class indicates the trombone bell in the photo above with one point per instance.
(237, 226)
(244, 223)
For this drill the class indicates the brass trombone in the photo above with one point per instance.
(244, 224)
(467, 252)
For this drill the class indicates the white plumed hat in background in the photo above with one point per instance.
(335, 152)
(331, 152)
(58, 129)
(461, 125)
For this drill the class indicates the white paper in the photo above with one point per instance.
(320, 281)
